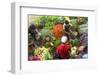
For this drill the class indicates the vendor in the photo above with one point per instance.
(83, 30)
(63, 50)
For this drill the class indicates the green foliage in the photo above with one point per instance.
(47, 44)
(48, 56)
(47, 21)
(31, 52)
(75, 42)
(56, 43)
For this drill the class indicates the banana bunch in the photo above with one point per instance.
(43, 53)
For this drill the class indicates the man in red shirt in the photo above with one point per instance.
(63, 50)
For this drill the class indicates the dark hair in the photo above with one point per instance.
(32, 26)
(66, 22)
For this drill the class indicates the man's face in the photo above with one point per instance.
(81, 48)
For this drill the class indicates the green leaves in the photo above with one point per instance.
(75, 42)
(47, 21)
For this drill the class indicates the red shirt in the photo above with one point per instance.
(64, 51)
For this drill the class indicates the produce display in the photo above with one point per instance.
(57, 37)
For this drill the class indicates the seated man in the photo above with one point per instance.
(63, 50)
